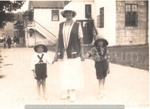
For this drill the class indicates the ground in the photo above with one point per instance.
(124, 85)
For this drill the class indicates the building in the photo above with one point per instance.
(41, 22)
(124, 23)
(19, 28)
(46, 28)
(121, 22)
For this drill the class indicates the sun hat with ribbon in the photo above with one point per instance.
(68, 8)
(40, 44)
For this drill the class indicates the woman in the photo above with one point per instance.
(69, 52)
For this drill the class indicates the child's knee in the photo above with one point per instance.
(43, 81)
(38, 82)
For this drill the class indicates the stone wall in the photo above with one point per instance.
(132, 35)
(134, 56)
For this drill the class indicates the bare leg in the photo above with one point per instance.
(73, 95)
(101, 87)
(44, 88)
(38, 88)
(66, 94)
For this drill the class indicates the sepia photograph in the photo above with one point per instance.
(74, 54)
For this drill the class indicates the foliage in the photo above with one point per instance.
(5, 11)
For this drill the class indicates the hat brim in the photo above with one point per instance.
(63, 13)
(44, 47)
(104, 41)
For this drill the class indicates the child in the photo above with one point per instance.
(39, 67)
(99, 54)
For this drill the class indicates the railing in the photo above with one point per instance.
(44, 28)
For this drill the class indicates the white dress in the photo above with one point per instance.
(71, 69)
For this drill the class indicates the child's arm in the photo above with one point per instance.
(34, 74)
(90, 53)
(32, 64)
(49, 60)
(107, 55)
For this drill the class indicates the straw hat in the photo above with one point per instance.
(40, 44)
(70, 9)
(103, 40)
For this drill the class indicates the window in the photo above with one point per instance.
(55, 15)
(131, 16)
(88, 11)
(100, 18)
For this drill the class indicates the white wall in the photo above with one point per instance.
(109, 30)
(43, 16)
(35, 39)
(41, 39)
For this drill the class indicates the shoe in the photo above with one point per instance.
(65, 96)
(39, 98)
(101, 95)
(73, 98)
(45, 97)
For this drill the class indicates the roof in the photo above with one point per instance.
(47, 4)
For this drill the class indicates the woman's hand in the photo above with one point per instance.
(88, 55)
(55, 58)
(82, 57)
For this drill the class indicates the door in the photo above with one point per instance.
(88, 28)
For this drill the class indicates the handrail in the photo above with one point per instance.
(45, 28)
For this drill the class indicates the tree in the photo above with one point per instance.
(5, 11)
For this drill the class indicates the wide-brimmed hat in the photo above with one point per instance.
(40, 44)
(70, 9)
(101, 39)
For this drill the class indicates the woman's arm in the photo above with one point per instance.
(80, 34)
(81, 49)
(48, 59)
(56, 50)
